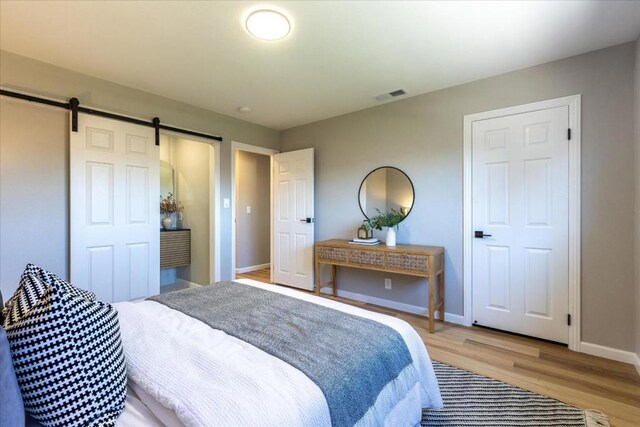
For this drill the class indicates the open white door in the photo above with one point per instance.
(114, 213)
(293, 186)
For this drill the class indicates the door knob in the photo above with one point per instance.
(480, 234)
(307, 220)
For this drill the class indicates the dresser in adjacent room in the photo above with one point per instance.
(175, 248)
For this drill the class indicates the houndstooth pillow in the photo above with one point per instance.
(67, 353)
(30, 291)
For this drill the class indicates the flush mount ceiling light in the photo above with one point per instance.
(267, 24)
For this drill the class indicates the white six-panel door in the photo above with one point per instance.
(114, 209)
(293, 228)
(520, 190)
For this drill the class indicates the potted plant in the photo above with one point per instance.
(169, 206)
(391, 219)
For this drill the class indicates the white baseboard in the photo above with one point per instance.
(585, 347)
(400, 306)
(168, 276)
(187, 283)
(454, 318)
(252, 268)
(610, 353)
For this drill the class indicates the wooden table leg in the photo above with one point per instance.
(431, 296)
(317, 278)
(441, 287)
(333, 282)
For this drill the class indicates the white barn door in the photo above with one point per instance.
(114, 212)
(520, 191)
(293, 228)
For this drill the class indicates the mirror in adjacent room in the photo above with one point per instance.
(169, 221)
(167, 179)
(386, 188)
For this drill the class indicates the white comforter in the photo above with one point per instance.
(190, 374)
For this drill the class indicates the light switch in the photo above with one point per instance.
(225, 203)
(248, 209)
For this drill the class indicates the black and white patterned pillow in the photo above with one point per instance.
(33, 284)
(67, 354)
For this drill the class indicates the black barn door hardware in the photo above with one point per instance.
(74, 106)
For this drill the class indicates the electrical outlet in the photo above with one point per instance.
(248, 209)
(387, 283)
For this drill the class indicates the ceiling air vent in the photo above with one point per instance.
(389, 95)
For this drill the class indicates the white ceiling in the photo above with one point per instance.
(337, 56)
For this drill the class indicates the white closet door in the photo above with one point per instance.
(520, 202)
(114, 212)
(293, 230)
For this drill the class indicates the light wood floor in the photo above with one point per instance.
(578, 379)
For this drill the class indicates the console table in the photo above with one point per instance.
(413, 260)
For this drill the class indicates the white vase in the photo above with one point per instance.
(391, 236)
(166, 223)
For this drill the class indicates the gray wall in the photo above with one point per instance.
(33, 190)
(637, 204)
(253, 230)
(50, 182)
(423, 136)
(191, 165)
(190, 160)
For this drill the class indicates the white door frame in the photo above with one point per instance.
(573, 102)
(241, 146)
(214, 201)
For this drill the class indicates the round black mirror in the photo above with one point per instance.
(386, 188)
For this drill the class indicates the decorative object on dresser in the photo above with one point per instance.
(167, 221)
(368, 242)
(390, 239)
(390, 220)
(386, 197)
(385, 188)
(175, 248)
(168, 207)
(413, 260)
(365, 231)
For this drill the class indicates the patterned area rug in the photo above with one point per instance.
(473, 400)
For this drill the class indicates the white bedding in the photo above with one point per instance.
(187, 373)
(136, 413)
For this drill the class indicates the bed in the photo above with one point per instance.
(231, 354)
(183, 372)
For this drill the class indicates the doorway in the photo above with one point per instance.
(251, 210)
(188, 245)
(522, 219)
